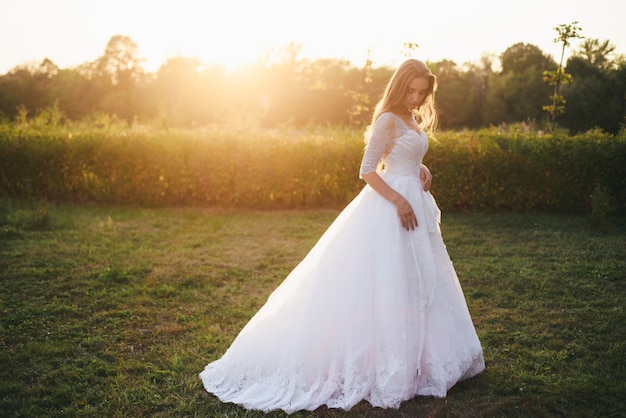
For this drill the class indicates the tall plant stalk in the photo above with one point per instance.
(565, 33)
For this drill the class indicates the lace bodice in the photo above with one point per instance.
(399, 147)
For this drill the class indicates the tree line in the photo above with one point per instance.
(285, 89)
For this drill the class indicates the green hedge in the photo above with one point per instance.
(312, 168)
(489, 170)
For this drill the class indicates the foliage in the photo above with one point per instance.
(522, 90)
(602, 205)
(552, 78)
(598, 54)
(565, 34)
(219, 166)
(282, 88)
(595, 97)
(509, 168)
(460, 95)
(114, 311)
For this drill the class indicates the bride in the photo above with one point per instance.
(375, 310)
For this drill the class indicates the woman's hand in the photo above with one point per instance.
(406, 215)
(405, 211)
(426, 177)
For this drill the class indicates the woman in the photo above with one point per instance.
(375, 311)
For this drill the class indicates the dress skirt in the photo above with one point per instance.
(373, 312)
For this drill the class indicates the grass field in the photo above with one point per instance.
(108, 311)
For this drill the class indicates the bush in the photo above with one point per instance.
(602, 205)
(310, 168)
(519, 172)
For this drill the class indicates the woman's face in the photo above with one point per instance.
(416, 93)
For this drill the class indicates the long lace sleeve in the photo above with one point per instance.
(381, 139)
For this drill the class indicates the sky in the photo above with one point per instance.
(240, 32)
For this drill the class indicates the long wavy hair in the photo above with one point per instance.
(391, 101)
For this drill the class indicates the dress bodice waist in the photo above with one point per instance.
(405, 158)
(403, 171)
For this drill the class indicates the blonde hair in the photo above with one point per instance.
(394, 94)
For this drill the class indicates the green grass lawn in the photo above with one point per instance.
(115, 311)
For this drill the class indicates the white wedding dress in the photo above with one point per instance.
(374, 312)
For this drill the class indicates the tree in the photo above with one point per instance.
(596, 97)
(565, 33)
(120, 60)
(119, 69)
(452, 94)
(597, 53)
(516, 94)
(188, 93)
(359, 94)
(29, 86)
(520, 57)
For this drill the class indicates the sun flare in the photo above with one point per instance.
(232, 34)
(238, 32)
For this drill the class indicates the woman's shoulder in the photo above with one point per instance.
(388, 118)
(388, 115)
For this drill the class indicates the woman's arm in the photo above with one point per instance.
(403, 207)
(426, 177)
(381, 141)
